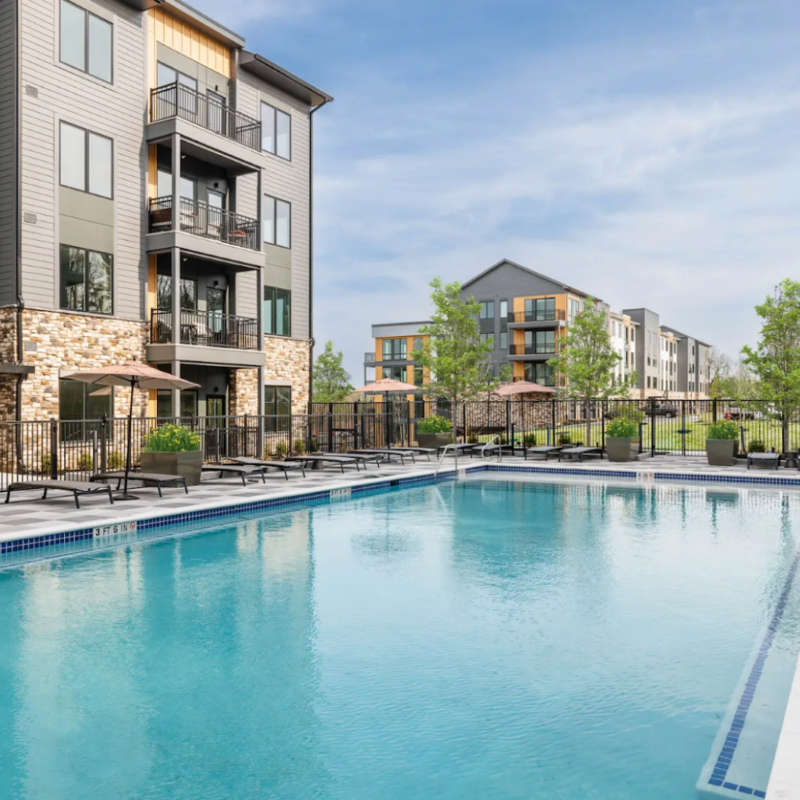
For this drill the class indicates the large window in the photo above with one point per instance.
(541, 308)
(277, 216)
(187, 87)
(540, 342)
(277, 400)
(487, 310)
(164, 293)
(87, 280)
(487, 338)
(276, 131)
(85, 41)
(395, 349)
(277, 311)
(395, 373)
(86, 161)
(77, 403)
(543, 374)
(503, 309)
(504, 340)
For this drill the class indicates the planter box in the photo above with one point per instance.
(720, 452)
(186, 464)
(622, 448)
(433, 439)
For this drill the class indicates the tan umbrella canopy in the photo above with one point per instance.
(137, 376)
(388, 385)
(522, 387)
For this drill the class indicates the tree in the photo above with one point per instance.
(331, 379)
(456, 359)
(775, 360)
(586, 364)
(720, 369)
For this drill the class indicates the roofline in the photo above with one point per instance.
(564, 286)
(283, 79)
(202, 21)
(398, 324)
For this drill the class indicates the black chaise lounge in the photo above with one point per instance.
(457, 447)
(545, 450)
(147, 478)
(417, 451)
(386, 452)
(493, 449)
(340, 459)
(580, 452)
(764, 458)
(281, 466)
(78, 488)
(240, 470)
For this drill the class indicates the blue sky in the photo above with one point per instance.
(648, 153)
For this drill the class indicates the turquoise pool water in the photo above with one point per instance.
(484, 639)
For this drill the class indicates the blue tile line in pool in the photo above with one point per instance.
(720, 771)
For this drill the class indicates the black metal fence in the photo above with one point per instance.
(205, 328)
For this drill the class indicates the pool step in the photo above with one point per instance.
(743, 751)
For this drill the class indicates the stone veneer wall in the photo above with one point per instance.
(8, 355)
(67, 342)
(243, 392)
(288, 361)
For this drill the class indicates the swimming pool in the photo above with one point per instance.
(472, 639)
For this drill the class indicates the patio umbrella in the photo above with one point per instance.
(388, 385)
(137, 376)
(522, 387)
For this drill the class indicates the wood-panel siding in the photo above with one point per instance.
(8, 154)
(286, 180)
(115, 110)
(163, 27)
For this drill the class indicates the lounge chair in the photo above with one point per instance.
(387, 452)
(321, 458)
(244, 472)
(147, 478)
(417, 451)
(764, 458)
(78, 488)
(545, 450)
(580, 452)
(281, 466)
(457, 447)
(492, 449)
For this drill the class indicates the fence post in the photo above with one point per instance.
(355, 426)
(103, 444)
(94, 450)
(330, 427)
(683, 427)
(508, 421)
(652, 429)
(464, 418)
(553, 422)
(603, 424)
(714, 410)
(54, 449)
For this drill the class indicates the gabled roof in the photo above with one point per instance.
(564, 286)
(283, 79)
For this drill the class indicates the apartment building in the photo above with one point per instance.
(525, 315)
(395, 344)
(156, 187)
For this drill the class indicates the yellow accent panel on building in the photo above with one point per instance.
(152, 172)
(152, 299)
(519, 302)
(180, 36)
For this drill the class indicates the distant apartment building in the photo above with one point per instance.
(526, 314)
(155, 180)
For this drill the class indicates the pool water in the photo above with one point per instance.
(479, 639)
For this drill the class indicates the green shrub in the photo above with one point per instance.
(565, 438)
(622, 426)
(630, 412)
(471, 439)
(756, 446)
(313, 446)
(299, 447)
(171, 438)
(723, 429)
(115, 461)
(529, 440)
(85, 462)
(46, 464)
(281, 449)
(434, 424)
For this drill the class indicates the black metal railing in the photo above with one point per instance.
(531, 350)
(201, 219)
(553, 315)
(177, 100)
(206, 329)
(369, 358)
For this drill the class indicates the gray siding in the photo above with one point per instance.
(116, 110)
(286, 180)
(8, 154)
(646, 334)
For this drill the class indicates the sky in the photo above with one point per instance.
(645, 152)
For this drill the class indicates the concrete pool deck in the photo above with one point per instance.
(27, 517)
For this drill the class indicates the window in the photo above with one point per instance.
(276, 131)
(504, 340)
(504, 309)
(394, 349)
(395, 373)
(86, 161)
(540, 342)
(76, 405)
(487, 337)
(543, 374)
(164, 293)
(85, 41)
(542, 308)
(187, 88)
(277, 403)
(487, 310)
(574, 308)
(418, 376)
(277, 312)
(277, 222)
(86, 280)
(164, 403)
(418, 343)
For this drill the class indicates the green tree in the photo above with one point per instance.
(454, 355)
(775, 360)
(331, 379)
(720, 370)
(586, 364)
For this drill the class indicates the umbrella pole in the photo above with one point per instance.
(125, 495)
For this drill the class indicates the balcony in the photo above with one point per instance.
(201, 219)
(554, 318)
(530, 350)
(369, 359)
(206, 329)
(177, 100)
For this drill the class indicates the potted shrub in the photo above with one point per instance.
(434, 431)
(622, 439)
(173, 450)
(756, 446)
(721, 443)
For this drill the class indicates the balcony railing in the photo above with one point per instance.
(369, 358)
(553, 315)
(531, 350)
(177, 100)
(201, 219)
(206, 329)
